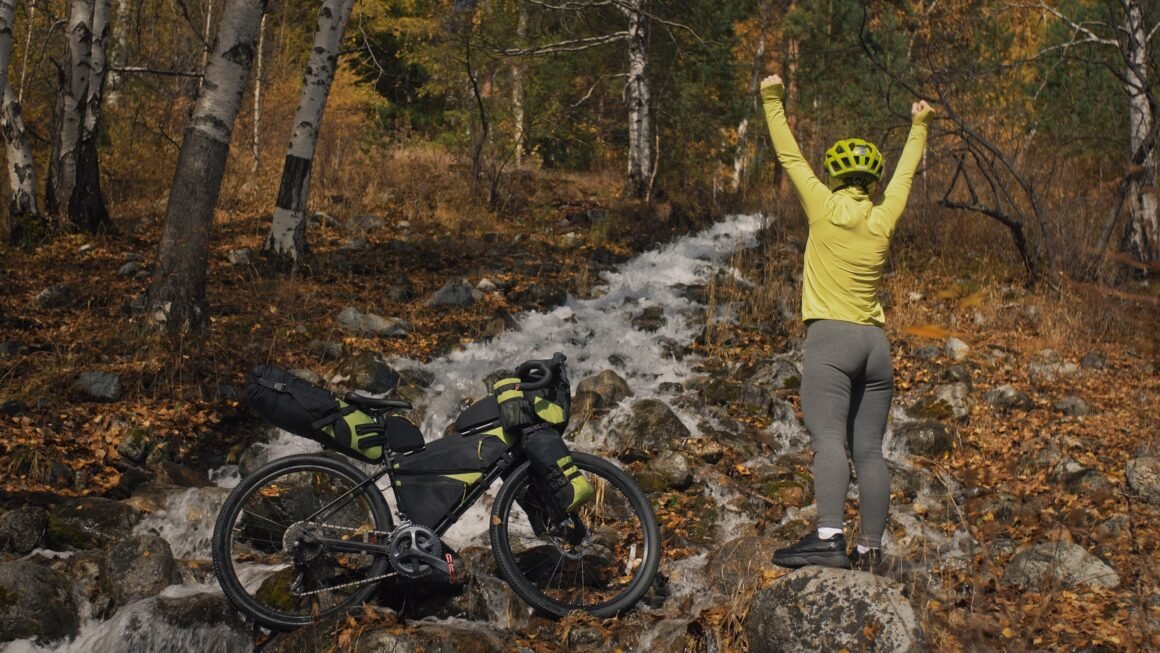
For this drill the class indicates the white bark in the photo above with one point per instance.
(287, 237)
(638, 99)
(119, 52)
(98, 55)
(21, 165)
(1143, 233)
(741, 159)
(72, 102)
(256, 146)
(518, 116)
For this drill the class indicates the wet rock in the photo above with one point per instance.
(1144, 478)
(22, 529)
(608, 385)
(542, 296)
(668, 470)
(455, 293)
(650, 425)
(129, 269)
(89, 523)
(350, 319)
(1006, 397)
(650, 320)
(750, 399)
(1062, 563)
(809, 610)
(779, 374)
(197, 622)
(138, 567)
(925, 438)
(178, 475)
(99, 386)
(1073, 406)
(36, 602)
(369, 371)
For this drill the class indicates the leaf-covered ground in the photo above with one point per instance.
(55, 443)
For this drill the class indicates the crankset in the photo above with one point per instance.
(415, 551)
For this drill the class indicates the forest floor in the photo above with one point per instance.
(55, 443)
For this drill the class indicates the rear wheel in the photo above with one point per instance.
(266, 550)
(601, 560)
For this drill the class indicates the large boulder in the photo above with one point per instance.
(610, 387)
(89, 523)
(36, 602)
(369, 371)
(1062, 563)
(1144, 478)
(22, 529)
(650, 425)
(822, 609)
(197, 622)
(137, 568)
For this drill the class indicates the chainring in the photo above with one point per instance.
(408, 539)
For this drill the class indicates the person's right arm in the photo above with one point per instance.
(811, 190)
(898, 190)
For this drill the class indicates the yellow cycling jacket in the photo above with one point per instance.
(849, 234)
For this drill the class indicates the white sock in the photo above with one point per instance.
(826, 533)
(862, 548)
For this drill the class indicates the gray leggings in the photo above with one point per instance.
(847, 386)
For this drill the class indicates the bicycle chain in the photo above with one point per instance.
(354, 583)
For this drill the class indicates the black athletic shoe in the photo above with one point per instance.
(871, 561)
(813, 550)
(877, 563)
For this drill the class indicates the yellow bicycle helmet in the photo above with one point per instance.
(853, 162)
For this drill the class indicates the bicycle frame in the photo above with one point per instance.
(508, 461)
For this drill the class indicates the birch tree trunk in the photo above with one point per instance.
(638, 98)
(1142, 237)
(518, 116)
(86, 206)
(256, 144)
(119, 52)
(177, 297)
(71, 105)
(742, 158)
(25, 224)
(286, 242)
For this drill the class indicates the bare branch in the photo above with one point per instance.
(1090, 36)
(571, 6)
(575, 45)
(142, 70)
(592, 88)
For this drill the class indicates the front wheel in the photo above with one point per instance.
(269, 550)
(601, 560)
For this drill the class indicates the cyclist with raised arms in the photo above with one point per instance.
(848, 380)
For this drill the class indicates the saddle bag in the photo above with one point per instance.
(435, 480)
(302, 408)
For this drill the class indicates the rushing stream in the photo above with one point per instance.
(591, 332)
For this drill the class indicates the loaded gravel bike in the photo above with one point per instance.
(308, 536)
